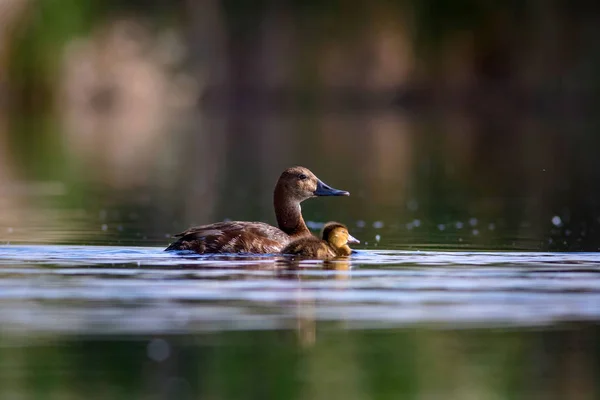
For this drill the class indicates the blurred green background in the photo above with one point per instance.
(465, 124)
(454, 124)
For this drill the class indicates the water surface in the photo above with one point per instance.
(83, 289)
(137, 322)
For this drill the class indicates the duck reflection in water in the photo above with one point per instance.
(295, 185)
(333, 248)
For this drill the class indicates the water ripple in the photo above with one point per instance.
(85, 289)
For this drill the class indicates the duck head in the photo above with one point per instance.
(299, 184)
(338, 237)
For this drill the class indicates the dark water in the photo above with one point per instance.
(133, 322)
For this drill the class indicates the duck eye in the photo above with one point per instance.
(302, 177)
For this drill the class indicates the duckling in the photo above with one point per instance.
(295, 185)
(334, 243)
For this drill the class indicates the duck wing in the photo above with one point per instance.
(231, 237)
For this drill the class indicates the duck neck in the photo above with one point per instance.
(289, 215)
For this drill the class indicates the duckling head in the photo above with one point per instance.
(299, 184)
(338, 237)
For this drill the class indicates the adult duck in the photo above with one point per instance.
(334, 243)
(295, 185)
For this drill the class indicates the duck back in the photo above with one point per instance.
(232, 237)
(310, 247)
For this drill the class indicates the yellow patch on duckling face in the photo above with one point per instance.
(338, 237)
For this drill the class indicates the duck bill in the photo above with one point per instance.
(324, 189)
(353, 240)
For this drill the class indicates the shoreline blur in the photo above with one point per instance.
(468, 127)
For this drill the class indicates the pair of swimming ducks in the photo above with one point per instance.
(295, 185)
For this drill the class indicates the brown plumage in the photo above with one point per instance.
(295, 185)
(334, 243)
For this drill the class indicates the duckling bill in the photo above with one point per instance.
(333, 243)
(295, 185)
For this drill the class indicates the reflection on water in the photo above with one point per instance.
(557, 364)
(116, 322)
(415, 181)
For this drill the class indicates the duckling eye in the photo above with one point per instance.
(302, 177)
